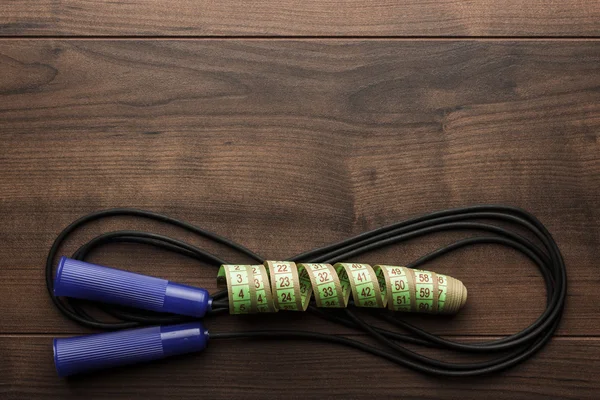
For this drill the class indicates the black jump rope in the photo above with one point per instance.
(511, 350)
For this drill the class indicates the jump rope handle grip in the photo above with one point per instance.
(88, 281)
(81, 354)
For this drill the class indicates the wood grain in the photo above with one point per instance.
(565, 369)
(284, 145)
(497, 18)
(288, 145)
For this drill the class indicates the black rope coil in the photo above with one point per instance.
(511, 350)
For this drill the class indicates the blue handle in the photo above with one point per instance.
(105, 350)
(94, 282)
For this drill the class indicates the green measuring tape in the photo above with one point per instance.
(285, 285)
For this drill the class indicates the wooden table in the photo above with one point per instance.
(287, 125)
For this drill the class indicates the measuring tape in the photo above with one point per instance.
(285, 285)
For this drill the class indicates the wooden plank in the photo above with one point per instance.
(307, 18)
(566, 368)
(287, 145)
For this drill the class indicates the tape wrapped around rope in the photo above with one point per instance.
(283, 285)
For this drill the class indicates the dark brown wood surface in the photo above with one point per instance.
(301, 18)
(288, 144)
